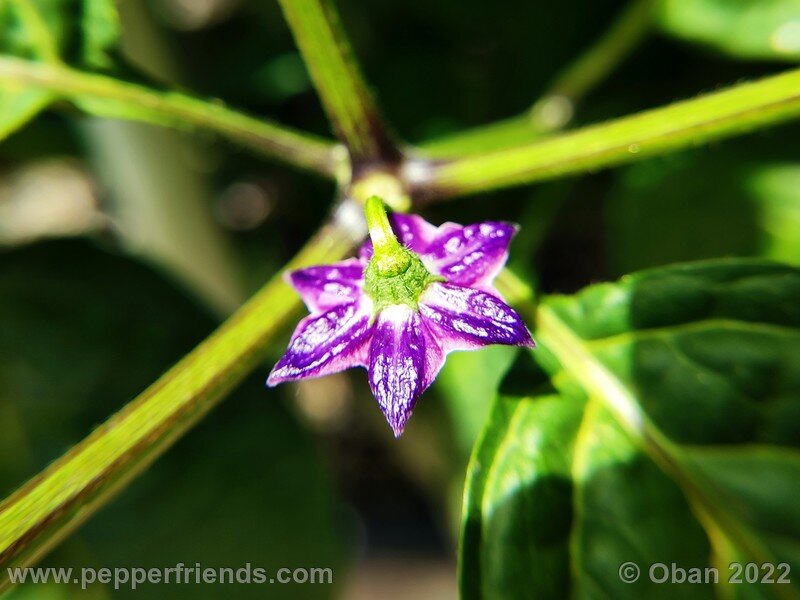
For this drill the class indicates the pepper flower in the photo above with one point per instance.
(402, 306)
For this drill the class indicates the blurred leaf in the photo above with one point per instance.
(697, 363)
(38, 30)
(50, 30)
(777, 190)
(696, 206)
(751, 29)
(82, 330)
(33, 29)
(101, 30)
(468, 382)
(18, 106)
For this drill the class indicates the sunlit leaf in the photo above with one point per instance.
(753, 29)
(693, 398)
(43, 30)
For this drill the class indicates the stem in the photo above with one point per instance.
(355, 117)
(380, 230)
(110, 97)
(556, 107)
(52, 505)
(718, 115)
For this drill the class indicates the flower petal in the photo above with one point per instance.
(403, 361)
(467, 318)
(413, 231)
(326, 286)
(326, 343)
(472, 255)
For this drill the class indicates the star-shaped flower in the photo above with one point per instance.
(398, 310)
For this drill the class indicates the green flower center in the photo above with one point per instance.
(394, 274)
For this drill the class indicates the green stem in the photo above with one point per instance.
(380, 230)
(342, 89)
(112, 98)
(737, 110)
(56, 502)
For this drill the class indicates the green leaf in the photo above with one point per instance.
(40, 30)
(735, 201)
(33, 28)
(690, 368)
(750, 29)
(18, 106)
(26, 33)
(559, 496)
(48, 30)
(101, 31)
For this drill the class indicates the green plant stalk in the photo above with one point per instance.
(737, 110)
(600, 383)
(138, 103)
(52, 505)
(338, 81)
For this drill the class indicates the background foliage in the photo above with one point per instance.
(658, 420)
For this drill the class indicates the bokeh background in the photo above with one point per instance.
(123, 245)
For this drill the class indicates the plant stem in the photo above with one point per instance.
(56, 502)
(380, 231)
(344, 93)
(718, 115)
(113, 98)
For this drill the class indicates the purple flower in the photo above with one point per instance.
(399, 314)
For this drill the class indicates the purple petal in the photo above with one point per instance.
(326, 343)
(326, 286)
(468, 318)
(413, 231)
(472, 255)
(403, 361)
